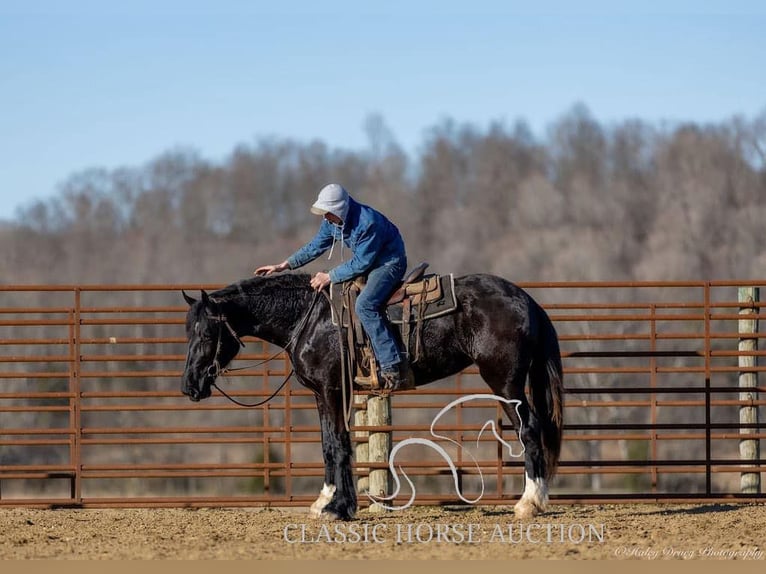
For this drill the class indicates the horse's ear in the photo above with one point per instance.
(208, 302)
(190, 300)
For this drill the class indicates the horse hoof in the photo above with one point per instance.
(322, 514)
(325, 496)
(525, 510)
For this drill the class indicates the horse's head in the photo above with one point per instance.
(212, 345)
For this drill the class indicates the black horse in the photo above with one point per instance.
(497, 326)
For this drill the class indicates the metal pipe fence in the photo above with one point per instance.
(91, 412)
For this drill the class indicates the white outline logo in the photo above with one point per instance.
(445, 455)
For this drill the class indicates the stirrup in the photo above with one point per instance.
(370, 381)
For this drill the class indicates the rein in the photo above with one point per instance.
(215, 370)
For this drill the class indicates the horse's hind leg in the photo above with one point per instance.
(535, 497)
(511, 386)
(338, 496)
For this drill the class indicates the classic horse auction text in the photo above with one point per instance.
(424, 533)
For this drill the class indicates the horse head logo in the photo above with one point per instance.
(443, 453)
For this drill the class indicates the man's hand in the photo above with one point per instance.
(320, 281)
(269, 269)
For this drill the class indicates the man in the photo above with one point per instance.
(378, 254)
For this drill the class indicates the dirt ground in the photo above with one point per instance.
(639, 532)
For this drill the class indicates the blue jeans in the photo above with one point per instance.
(370, 308)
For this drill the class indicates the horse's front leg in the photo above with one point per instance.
(338, 496)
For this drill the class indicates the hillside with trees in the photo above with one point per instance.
(587, 201)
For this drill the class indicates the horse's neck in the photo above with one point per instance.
(269, 317)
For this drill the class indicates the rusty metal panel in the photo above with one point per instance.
(91, 413)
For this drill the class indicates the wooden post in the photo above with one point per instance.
(749, 448)
(362, 453)
(379, 414)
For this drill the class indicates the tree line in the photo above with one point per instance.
(586, 201)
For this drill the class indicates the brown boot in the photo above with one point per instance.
(397, 378)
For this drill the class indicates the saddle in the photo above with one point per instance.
(418, 298)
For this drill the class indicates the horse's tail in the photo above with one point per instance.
(546, 382)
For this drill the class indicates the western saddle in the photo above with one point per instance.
(417, 298)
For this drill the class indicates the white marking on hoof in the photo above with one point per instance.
(325, 496)
(534, 500)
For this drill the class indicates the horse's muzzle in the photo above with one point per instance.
(198, 388)
(196, 394)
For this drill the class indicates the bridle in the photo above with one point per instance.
(215, 370)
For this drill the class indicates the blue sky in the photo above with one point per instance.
(104, 84)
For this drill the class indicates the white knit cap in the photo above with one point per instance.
(333, 199)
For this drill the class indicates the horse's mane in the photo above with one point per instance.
(280, 297)
(264, 286)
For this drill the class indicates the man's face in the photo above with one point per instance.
(332, 218)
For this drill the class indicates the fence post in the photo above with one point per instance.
(74, 387)
(362, 450)
(379, 415)
(749, 448)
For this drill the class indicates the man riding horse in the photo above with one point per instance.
(378, 254)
